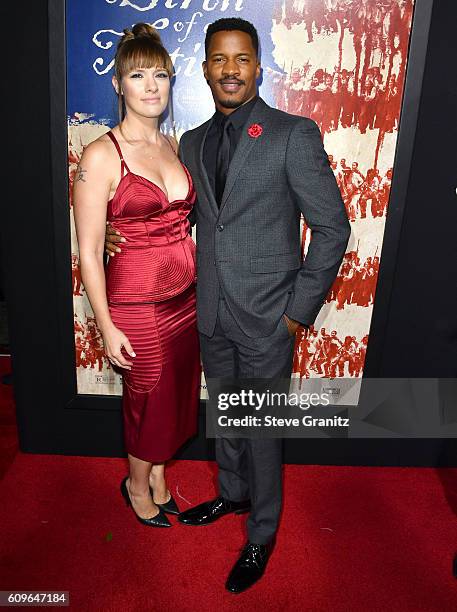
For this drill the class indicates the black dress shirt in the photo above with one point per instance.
(238, 120)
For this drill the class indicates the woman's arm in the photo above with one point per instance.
(91, 191)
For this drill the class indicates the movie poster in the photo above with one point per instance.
(340, 62)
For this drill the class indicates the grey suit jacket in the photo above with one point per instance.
(249, 249)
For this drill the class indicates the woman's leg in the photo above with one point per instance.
(158, 484)
(138, 488)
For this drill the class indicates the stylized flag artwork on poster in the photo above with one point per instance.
(340, 62)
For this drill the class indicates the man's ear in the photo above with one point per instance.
(257, 72)
(205, 70)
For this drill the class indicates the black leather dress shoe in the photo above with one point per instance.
(210, 511)
(249, 567)
(159, 520)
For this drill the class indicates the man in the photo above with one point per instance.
(255, 170)
(333, 350)
(76, 275)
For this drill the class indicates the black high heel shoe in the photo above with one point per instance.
(159, 520)
(170, 507)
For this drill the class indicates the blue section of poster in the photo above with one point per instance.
(95, 26)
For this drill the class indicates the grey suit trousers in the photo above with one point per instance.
(249, 468)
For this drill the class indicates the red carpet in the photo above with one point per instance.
(351, 539)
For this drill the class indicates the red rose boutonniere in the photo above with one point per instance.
(255, 130)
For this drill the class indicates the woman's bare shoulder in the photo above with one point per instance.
(100, 151)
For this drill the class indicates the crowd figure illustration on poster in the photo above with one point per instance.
(343, 64)
(362, 194)
(358, 97)
(89, 345)
(332, 100)
(322, 353)
(356, 281)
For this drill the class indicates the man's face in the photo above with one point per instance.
(231, 69)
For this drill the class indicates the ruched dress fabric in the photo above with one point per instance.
(151, 295)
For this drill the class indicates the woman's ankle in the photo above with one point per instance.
(138, 489)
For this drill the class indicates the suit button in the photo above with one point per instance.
(219, 227)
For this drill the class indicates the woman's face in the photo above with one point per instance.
(145, 91)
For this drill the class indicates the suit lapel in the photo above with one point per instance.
(203, 173)
(245, 146)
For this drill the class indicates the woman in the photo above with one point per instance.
(145, 307)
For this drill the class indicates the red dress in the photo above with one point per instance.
(151, 295)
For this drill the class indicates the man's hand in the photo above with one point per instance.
(292, 325)
(112, 239)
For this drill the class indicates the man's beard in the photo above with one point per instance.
(230, 103)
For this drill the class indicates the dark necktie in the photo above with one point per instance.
(222, 159)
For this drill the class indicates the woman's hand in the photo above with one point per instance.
(114, 340)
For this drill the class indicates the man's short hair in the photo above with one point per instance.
(229, 24)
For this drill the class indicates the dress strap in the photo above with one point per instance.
(118, 148)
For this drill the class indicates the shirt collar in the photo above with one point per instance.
(239, 116)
